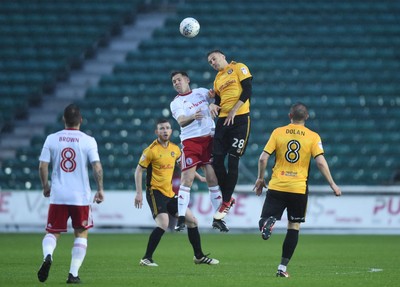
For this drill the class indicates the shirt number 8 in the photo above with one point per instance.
(292, 154)
(68, 163)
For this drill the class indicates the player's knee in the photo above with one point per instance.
(187, 181)
(191, 221)
(294, 225)
(187, 177)
(162, 221)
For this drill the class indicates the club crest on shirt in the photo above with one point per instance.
(230, 71)
(189, 161)
(172, 154)
(244, 70)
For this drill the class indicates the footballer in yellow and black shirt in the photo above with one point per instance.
(232, 90)
(159, 158)
(227, 85)
(294, 145)
(160, 164)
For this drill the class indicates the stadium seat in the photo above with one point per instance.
(339, 58)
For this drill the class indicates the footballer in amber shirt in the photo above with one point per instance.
(160, 163)
(294, 145)
(227, 85)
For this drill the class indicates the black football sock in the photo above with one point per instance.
(289, 245)
(220, 171)
(194, 238)
(154, 239)
(231, 178)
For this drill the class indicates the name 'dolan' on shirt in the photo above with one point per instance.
(68, 139)
(295, 132)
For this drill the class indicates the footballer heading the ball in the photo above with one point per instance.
(189, 27)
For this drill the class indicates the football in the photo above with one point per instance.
(189, 27)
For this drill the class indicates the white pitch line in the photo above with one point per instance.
(375, 270)
(371, 270)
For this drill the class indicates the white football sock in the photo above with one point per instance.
(78, 255)
(49, 243)
(215, 196)
(282, 267)
(183, 200)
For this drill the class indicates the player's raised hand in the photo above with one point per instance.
(230, 118)
(214, 110)
(198, 115)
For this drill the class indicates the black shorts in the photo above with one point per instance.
(277, 201)
(232, 139)
(159, 203)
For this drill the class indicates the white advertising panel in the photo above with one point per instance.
(29, 208)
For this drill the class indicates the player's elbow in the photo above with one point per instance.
(262, 161)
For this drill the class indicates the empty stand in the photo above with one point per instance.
(339, 58)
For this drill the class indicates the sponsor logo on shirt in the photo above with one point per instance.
(226, 84)
(166, 166)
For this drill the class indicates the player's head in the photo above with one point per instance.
(163, 130)
(180, 82)
(298, 113)
(72, 116)
(217, 60)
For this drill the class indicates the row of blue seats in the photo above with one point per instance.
(293, 6)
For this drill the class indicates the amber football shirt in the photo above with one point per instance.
(293, 146)
(227, 86)
(160, 163)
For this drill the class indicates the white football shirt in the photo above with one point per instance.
(70, 151)
(188, 104)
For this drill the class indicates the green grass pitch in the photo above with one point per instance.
(245, 260)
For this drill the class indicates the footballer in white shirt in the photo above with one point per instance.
(190, 108)
(69, 152)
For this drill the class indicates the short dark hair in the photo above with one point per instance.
(162, 121)
(299, 112)
(183, 73)
(215, 51)
(72, 115)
